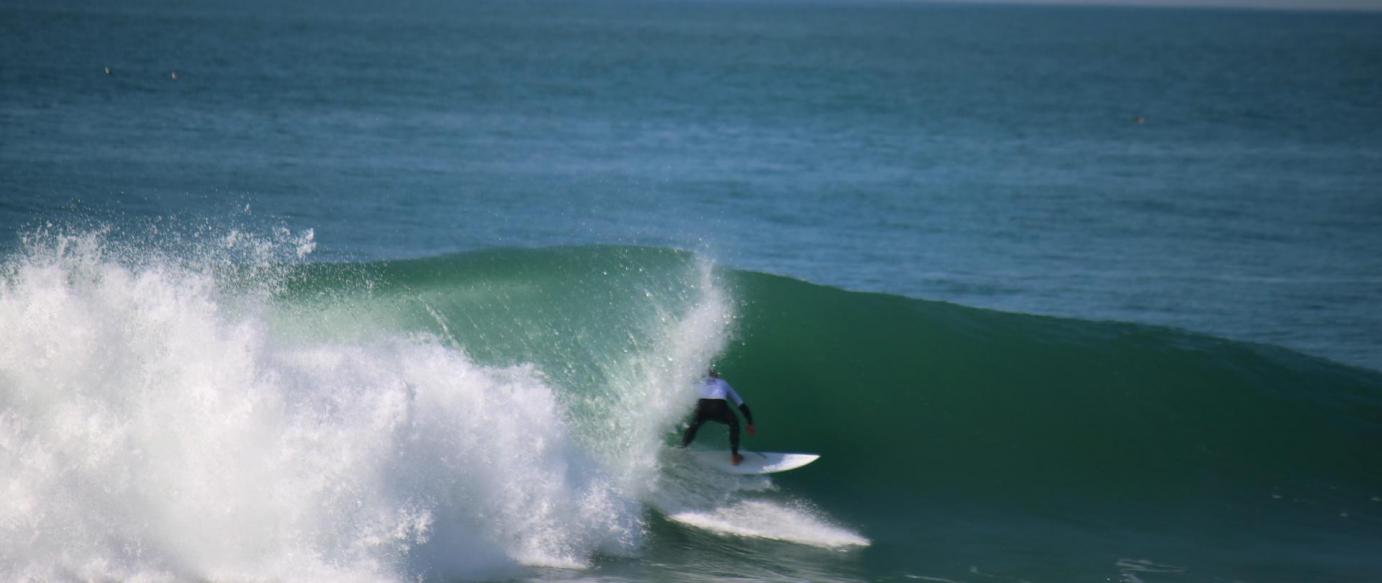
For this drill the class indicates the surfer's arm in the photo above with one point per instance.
(744, 410)
(748, 418)
(743, 407)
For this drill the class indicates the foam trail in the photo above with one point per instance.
(774, 521)
(152, 426)
(742, 506)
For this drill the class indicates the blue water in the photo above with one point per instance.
(1213, 171)
(990, 156)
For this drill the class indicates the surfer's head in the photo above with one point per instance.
(712, 373)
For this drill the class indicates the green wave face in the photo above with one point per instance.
(572, 311)
(898, 393)
(929, 396)
(927, 414)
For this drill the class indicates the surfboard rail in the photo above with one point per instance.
(755, 462)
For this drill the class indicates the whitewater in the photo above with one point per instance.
(161, 418)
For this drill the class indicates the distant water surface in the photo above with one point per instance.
(1219, 171)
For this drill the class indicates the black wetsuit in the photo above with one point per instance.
(717, 410)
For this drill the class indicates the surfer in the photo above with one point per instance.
(713, 407)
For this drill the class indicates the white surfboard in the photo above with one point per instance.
(755, 462)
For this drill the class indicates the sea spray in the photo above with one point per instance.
(650, 395)
(743, 506)
(772, 521)
(624, 333)
(157, 422)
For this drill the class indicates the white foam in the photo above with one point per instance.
(152, 426)
(774, 521)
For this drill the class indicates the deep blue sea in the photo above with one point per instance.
(418, 290)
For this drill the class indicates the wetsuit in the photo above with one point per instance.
(713, 407)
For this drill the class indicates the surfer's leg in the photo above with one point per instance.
(733, 423)
(733, 435)
(691, 429)
(701, 417)
(724, 415)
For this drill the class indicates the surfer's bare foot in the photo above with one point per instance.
(735, 458)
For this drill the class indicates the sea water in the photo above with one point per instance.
(348, 291)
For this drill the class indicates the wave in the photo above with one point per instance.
(1019, 407)
(213, 412)
(174, 417)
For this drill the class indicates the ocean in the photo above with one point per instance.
(420, 291)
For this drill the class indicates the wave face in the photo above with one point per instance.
(227, 411)
(1016, 405)
(1216, 458)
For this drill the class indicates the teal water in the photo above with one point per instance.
(983, 155)
(344, 291)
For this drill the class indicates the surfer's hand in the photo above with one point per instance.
(753, 429)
